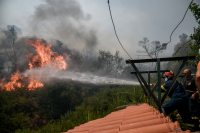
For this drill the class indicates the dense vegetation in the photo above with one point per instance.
(194, 44)
(23, 108)
(62, 105)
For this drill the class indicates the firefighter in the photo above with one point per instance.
(178, 98)
(189, 83)
(191, 91)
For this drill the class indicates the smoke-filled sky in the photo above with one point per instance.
(85, 25)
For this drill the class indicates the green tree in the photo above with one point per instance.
(14, 110)
(56, 98)
(195, 45)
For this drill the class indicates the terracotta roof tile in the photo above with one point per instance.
(139, 119)
(107, 127)
(108, 123)
(115, 130)
(144, 123)
(187, 131)
(134, 119)
(160, 128)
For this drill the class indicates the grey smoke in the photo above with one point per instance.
(183, 37)
(63, 20)
(54, 9)
(181, 48)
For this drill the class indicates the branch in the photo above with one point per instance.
(148, 52)
(138, 51)
(142, 55)
(180, 48)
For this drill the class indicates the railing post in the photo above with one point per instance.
(149, 87)
(146, 86)
(159, 82)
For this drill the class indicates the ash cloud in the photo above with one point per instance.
(63, 20)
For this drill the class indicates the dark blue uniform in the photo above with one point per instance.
(190, 88)
(178, 100)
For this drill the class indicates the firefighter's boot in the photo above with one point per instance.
(196, 123)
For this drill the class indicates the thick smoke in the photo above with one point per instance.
(181, 48)
(63, 24)
(63, 20)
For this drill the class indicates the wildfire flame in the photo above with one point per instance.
(34, 82)
(45, 57)
(14, 81)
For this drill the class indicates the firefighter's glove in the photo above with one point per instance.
(154, 84)
(195, 95)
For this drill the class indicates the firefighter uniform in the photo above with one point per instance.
(178, 100)
(190, 87)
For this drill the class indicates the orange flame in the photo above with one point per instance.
(44, 57)
(14, 82)
(34, 82)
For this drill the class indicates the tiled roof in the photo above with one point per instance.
(134, 119)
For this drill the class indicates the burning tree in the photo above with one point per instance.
(44, 57)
